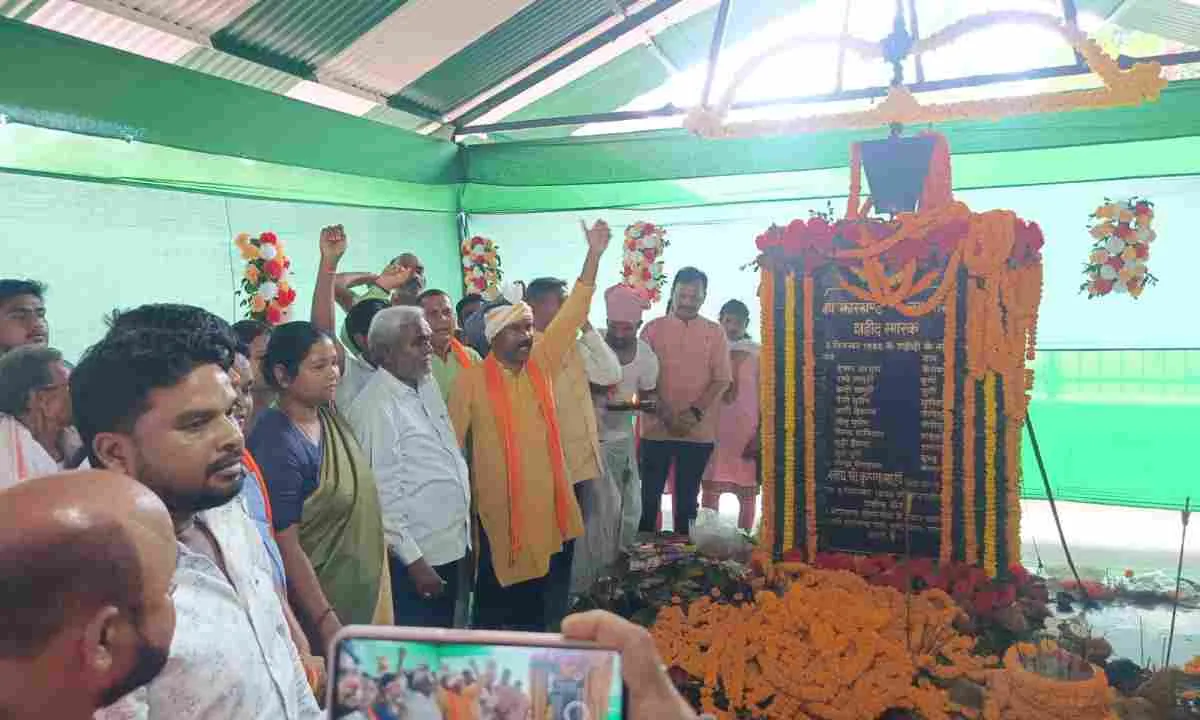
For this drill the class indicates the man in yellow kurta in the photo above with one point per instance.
(522, 485)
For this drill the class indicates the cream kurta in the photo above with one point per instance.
(577, 410)
(471, 411)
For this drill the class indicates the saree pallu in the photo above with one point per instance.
(341, 530)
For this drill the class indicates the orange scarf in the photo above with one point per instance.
(251, 466)
(460, 352)
(506, 425)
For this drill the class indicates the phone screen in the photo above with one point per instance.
(376, 679)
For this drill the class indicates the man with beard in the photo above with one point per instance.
(86, 561)
(22, 314)
(450, 356)
(639, 379)
(156, 404)
(524, 498)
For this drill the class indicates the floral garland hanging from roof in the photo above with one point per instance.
(265, 291)
(481, 266)
(642, 264)
(1121, 233)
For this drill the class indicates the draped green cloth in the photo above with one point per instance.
(341, 530)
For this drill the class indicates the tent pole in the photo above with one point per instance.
(1071, 15)
(714, 49)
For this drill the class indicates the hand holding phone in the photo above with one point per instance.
(435, 674)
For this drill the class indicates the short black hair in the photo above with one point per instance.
(432, 292)
(110, 385)
(358, 320)
(688, 275)
(47, 580)
(544, 286)
(736, 308)
(289, 346)
(462, 306)
(173, 317)
(12, 287)
(23, 370)
(248, 331)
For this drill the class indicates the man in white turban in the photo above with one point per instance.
(527, 508)
(639, 381)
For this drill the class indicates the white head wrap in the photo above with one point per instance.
(501, 317)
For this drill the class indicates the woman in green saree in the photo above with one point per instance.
(323, 497)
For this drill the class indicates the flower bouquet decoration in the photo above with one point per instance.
(642, 264)
(265, 292)
(1121, 232)
(481, 266)
(798, 243)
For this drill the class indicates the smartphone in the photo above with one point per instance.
(398, 673)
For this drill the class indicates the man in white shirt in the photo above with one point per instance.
(639, 379)
(404, 428)
(35, 413)
(155, 403)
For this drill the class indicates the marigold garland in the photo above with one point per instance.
(810, 430)
(265, 291)
(989, 476)
(789, 414)
(1020, 693)
(949, 354)
(766, 383)
(970, 541)
(828, 647)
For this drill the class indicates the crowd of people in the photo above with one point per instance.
(428, 693)
(430, 463)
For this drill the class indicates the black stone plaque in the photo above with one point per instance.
(879, 422)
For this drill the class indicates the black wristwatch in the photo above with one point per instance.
(698, 413)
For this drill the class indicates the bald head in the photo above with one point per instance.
(72, 544)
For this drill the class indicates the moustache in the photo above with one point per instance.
(225, 463)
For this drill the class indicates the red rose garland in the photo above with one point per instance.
(265, 291)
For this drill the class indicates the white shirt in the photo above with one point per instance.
(355, 377)
(21, 456)
(424, 490)
(599, 361)
(232, 655)
(638, 376)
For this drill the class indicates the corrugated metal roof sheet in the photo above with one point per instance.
(203, 16)
(82, 21)
(230, 67)
(416, 38)
(300, 35)
(1172, 19)
(18, 9)
(531, 33)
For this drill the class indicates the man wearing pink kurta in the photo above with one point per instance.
(694, 370)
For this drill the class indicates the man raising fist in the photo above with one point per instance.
(527, 509)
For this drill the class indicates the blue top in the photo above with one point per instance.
(256, 505)
(291, 464)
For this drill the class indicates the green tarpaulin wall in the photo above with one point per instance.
(1116, 427)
